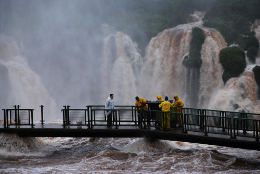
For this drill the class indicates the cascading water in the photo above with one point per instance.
(164, 71)
(239, 94)
(120, 66)
(26, 88)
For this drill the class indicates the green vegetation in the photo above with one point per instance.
(233, 62)
(194, 58)
(234, 18)
(256, 71)
(144, 19)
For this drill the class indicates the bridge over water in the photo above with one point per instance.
(214, 127)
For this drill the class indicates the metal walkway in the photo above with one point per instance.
(224, 128)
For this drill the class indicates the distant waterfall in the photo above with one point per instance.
(119, 67)
(26, 88)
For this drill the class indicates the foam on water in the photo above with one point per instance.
(12, 145)
(104, 155)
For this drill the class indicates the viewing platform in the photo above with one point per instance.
(214, 127)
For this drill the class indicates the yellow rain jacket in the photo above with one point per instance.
(178, 104)
(159, 97)
(140, 104)
(165, 106)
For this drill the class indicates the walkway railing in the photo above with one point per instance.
(234, 125)
(18, 117)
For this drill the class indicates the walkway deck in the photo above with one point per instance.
(57, 130)
(223, 128)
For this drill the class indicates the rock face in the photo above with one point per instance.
(164, 73)
(256, 28)
(239, 94)
(120, 66)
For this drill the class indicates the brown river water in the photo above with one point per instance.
(125, 155)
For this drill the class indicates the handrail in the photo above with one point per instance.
(194, 119)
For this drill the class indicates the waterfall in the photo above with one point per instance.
(119, 67)
(163, 72)
(25, 86)
(239, 94)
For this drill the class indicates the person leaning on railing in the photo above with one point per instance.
(159, 98)
(141, 107)
(177, 106)
(166, 108)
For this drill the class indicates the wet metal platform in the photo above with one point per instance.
(223, 128)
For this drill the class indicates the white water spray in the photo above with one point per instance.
(26, 88)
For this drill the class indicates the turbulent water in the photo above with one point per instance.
(84, 155)
(239, 94)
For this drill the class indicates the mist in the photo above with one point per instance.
(85, 49)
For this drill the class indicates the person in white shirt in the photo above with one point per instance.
(109, 106)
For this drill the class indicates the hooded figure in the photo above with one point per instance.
(141, 107)
(140, 103)
(166, 108)
(178, 105)
(159, 97)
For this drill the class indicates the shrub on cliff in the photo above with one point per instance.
(251, 44)
(234, 18)
(252, 53)
(194, 58)
(233, 62)
(256, 71)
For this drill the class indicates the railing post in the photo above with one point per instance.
(223, 115)
(42, 121)
(5, 120)
(18, 114)
(257, 135)
(31, 110)
(231, 126)
(244, 122)
(135, 116)
(132, 113)
(68, 114)
(234, 126)
(116, 118)
(185, 123)
(15, 115)
(64, 116)
(88, 117)
(85, 117)
(91, 117)
(205, 122)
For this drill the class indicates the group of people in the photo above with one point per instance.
(142, 108)
(166, 108)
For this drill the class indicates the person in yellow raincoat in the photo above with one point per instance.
(166, 108)
(159, 98)
(178, 105)
(141, 107)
